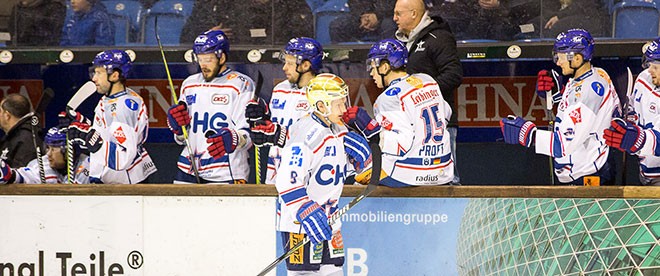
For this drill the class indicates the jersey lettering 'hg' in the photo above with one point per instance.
(585, 110)
(288, 103)
(414, 140)
(214, 105)
(122, 120)
(314, 167)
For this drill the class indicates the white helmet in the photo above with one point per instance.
(325, 88)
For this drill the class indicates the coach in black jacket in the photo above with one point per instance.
(17, 146)
(432, 50)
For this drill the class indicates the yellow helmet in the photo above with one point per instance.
(325, 88)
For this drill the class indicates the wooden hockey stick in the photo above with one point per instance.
(81, 95)
(373, 183)
(191, 155)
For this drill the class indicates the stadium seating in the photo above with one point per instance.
(324, 15)
(172, 15)
(126, 14)
(635, 19)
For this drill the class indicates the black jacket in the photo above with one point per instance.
(438, 57)
(17, 145)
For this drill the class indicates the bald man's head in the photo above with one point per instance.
(408, 14)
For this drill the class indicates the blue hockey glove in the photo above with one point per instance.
(5, 172)
(625, 136)
(85, 136)
(256, 111)
(222, 143)
(358, 117)
(65, 118)
(265, 132)
(314, 222)
(357, 148)
(517, 131)
(178, 117)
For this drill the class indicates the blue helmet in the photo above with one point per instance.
(388, 49)
(55, 138)
(652, 53)
(215, 42)
(576, 41)
(305, 48)
(113, 59)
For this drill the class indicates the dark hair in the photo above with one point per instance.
(17, 105)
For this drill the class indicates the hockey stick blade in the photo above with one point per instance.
(81, 95)
(373, 184)
(46, 96)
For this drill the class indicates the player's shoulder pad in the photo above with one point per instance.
(131, 102)
(240, 81)
(283, 85)
(599, 82)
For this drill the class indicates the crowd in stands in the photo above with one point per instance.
(272, 22)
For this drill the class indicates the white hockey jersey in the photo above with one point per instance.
(585, 110)
(314, 167)
(214, 105)
(288, 103)
(30, 173)
(122, 120)
(413, 116)
(645, 101)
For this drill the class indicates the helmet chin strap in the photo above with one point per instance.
(299, 74)
(382, 75)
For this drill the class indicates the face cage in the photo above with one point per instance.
(370, 63)
(569, 56)
(334, 96)
(646, 63)
(283, 53)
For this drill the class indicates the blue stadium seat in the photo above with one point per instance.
(314, 4)
(635, 19)
(324, 15)
(172, 15)
(126, 14)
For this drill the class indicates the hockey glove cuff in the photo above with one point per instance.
(65, 118)
(6, 173)
(358, 150)
(517, 131)
(85, 136)
(315, 222)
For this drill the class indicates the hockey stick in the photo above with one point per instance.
(45, 99)
(193, 163)
(626, 106)
(373, 183)
(549, 105)
(81, 95)
(257, 161)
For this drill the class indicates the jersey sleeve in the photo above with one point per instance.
(570, 132)
(293, 175)
(30, 173)
(398, 130)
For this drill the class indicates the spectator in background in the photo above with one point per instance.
(33, 22)
(254, 22)
(557, 16)
(366, 21)
(431, 50)
(17, 147)
(88, 24)
(477, 19)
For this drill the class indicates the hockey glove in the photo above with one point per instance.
(223, 142)
(517, 131)
(5, 172)
(266, 132)
(547, 84)
(358, 150)
(178, 117)
(85, 136)
(65, 118)
(625, 136)
(314, 222)
(360, 119)
(256, 110)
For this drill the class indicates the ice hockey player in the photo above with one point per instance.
(639, 133)
(213, 101)
(302, 58)
(54, 164)
(316, 160)
(410, 121)
(587, 105)
(116, 137)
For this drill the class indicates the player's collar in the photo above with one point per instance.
(394, 81)
(585, 75)
(319, 120)
(223, 73)
(117, 95)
